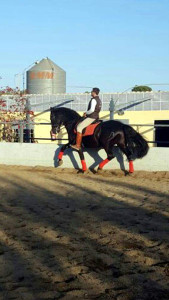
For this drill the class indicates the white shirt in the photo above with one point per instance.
(92, 108)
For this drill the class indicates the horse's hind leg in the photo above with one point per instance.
(60, 155)
(110, 155)
(127, 152)
(109, 150)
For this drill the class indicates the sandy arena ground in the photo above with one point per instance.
(65, 235)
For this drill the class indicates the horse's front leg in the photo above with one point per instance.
(60, 155)
(83, 162)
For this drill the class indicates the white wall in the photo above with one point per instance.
(46, 155)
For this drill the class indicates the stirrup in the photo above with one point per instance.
(75, 147)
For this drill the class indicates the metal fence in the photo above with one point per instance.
(23, 134)
(157, 101)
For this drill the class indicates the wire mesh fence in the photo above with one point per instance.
(157, 101)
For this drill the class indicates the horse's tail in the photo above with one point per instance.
(135, 142)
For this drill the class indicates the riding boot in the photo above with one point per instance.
(78, 142)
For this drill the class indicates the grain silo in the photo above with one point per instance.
(46, 77)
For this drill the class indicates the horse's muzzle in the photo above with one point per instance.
(53, 135)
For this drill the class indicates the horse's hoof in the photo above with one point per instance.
(80, 171)
(99, 171)
(129, 174)
(60, 162)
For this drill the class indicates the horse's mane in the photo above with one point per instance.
(67, 111)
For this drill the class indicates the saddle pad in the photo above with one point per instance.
(89, 130)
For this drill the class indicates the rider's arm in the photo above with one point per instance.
(92, 108)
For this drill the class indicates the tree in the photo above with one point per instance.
(14, 114)
(141, 88)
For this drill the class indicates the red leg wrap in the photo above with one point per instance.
(84, 167)
(60, 155)
(131, 167)
(103, 163)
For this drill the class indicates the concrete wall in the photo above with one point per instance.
(46, 155)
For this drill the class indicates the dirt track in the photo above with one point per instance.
(70, 236)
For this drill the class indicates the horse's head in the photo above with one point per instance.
(62, 116)
(56, 123)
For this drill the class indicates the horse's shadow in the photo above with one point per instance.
(94, 153)
(68, 152)
(97, 158)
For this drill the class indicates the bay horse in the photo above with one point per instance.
(106, 135)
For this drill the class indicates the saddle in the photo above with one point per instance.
(89, 130)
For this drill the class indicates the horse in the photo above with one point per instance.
(106, 135)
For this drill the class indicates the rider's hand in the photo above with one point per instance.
(84, 115)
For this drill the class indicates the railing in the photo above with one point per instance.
(22, 130)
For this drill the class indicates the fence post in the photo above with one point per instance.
(28, 120)
(112, 108)
(21, 127)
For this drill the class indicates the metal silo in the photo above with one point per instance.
(46, 78)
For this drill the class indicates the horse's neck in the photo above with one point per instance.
(69, 125)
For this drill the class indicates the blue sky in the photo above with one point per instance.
(112, 44)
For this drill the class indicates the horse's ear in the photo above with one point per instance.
(51, 109)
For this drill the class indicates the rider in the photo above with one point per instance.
(90, 115)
